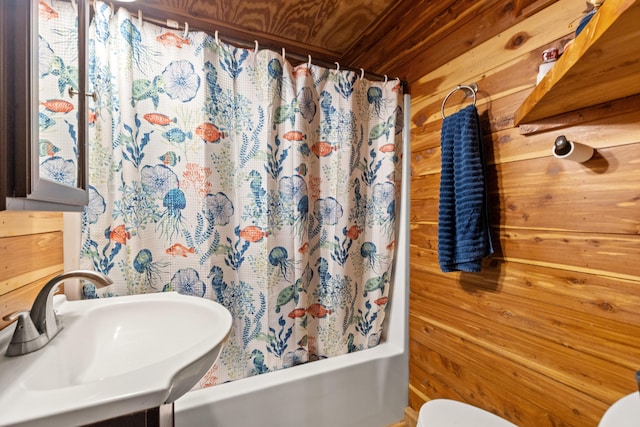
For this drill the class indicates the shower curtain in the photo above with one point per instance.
(229, 174)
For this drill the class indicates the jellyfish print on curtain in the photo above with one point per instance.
(229, 174)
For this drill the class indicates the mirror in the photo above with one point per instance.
(58, 92)
(47, 102)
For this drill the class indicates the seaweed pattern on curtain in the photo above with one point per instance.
(229, 174)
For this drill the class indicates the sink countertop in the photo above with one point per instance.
(113, 356)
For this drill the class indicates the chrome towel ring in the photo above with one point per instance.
(471, 88)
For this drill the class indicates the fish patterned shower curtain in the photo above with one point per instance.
(227, 173)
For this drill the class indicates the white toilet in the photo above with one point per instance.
(624, 413)
(450, 413)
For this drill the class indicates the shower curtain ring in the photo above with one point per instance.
(309, 64)
(337, 66)
(256, 48)
(284, 54)
(216, 37)
(385, 79)
(140, 17)
(361, 73)
(186, 30)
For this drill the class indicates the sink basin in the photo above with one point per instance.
(113, 356)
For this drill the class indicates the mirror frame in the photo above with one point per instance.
(30, 190)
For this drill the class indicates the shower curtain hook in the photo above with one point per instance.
(216, 37)
(186, 30)
(361, 73)
(140, 17)
(256, 48)
(385, 79)
(337, 66)
(284, 54)
(309, 64)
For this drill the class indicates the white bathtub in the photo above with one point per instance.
(368, 388)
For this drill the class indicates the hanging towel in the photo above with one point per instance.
(463, 221)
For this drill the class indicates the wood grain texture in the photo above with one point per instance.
(603, 59)
(22, 298)
(410, 417)
(585, 115)
(324, 28)
(20, 223)
(557, 306)
(31, 252)
(27, 253)
(443, 31)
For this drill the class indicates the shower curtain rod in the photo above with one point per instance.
(175, 25)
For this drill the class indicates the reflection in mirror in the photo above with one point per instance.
(58, 91)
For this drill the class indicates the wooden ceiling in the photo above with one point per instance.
(381, 36)
(325, 29)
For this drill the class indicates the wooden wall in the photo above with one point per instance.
(548, 334)
(31, 253)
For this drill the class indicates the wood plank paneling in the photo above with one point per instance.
(579, 295)
(557, 307)
(540, 192)
(551, 336)
(485, 378)
(22, 223)
(324, 28)
(31, 253)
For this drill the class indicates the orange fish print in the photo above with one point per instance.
(178, 249)
(58, 105)
(158, 119)
(391, 245)
(170, 39)
(209, 132)
(388, 148)
(294, 135)
(353, 232)
(297, 313)
(397, 88)
(93, 116)
(304, 248)
(46, 12)
(253, 234)
(120, 235)
(301, 71)
(322, 149)
(381, 301)
(318, 310)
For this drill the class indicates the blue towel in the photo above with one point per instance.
(463, 219)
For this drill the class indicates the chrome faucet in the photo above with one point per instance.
(35, 328)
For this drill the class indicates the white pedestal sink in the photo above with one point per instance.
(113, 356)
